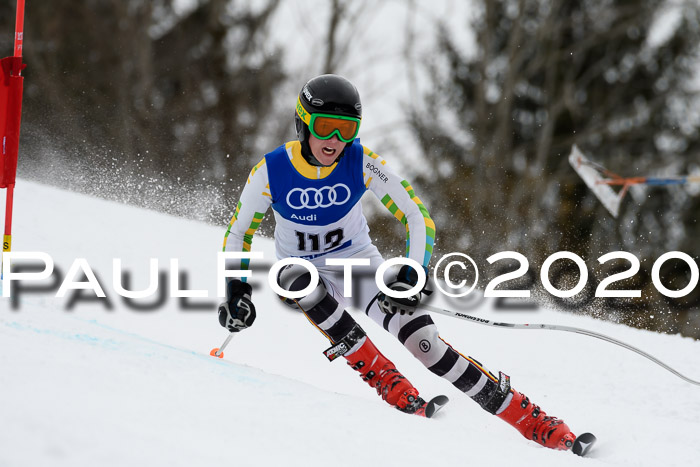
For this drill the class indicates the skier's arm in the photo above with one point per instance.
(237, 312)
(397, 195)
(251, 208)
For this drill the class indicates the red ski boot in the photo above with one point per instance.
(382, 375)
(534, 424)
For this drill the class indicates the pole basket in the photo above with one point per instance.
(11, 84)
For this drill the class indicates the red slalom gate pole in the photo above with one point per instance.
(11, 110)
(19, 28)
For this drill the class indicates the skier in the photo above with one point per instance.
(314, 186)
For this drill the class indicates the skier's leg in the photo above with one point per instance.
(329, 317)
(420, 336)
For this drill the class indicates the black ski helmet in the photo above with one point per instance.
(329, 94)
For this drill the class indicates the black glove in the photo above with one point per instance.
(406, 279)
(237, 312)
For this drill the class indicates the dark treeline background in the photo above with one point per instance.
(548, 75)
(133, 101)
(168, 108)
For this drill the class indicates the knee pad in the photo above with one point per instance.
(424, 343)
(294, 277)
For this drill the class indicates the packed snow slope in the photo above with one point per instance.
(88, 382)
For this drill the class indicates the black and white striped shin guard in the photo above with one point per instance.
(420, 336)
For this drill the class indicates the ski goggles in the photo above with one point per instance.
(324, 126)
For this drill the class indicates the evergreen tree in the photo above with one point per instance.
(123, 98)
(614, 77)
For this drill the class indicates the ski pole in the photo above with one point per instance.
(555, 327)
(219, 351)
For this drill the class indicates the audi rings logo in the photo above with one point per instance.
(312, 198)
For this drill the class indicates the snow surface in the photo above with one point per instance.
(90, 385)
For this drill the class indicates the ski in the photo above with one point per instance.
(583, 444)
(431, 407)
(425, 409)
(435, 404)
